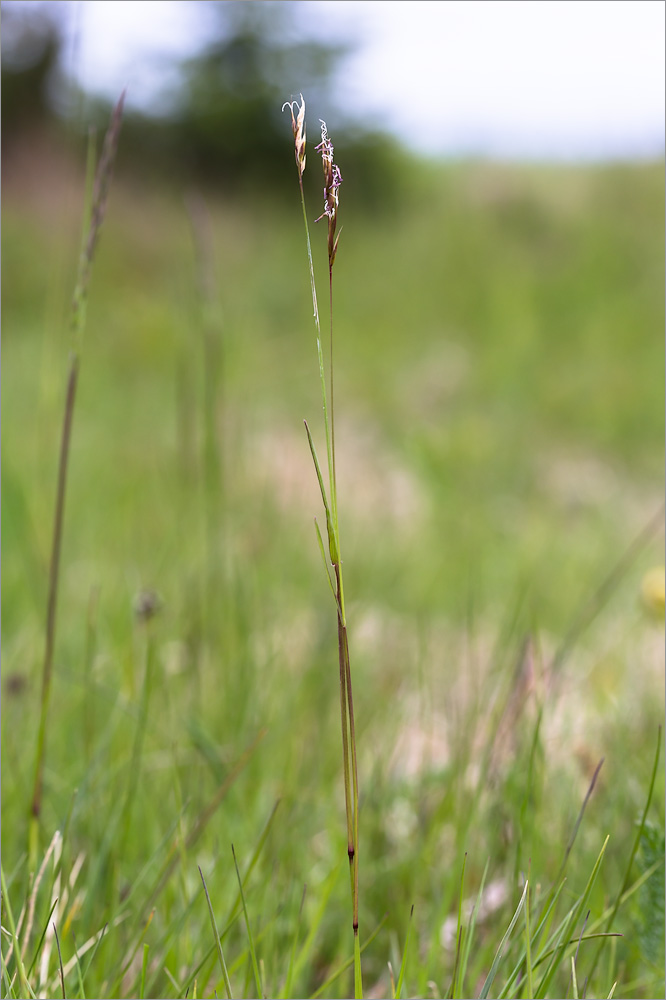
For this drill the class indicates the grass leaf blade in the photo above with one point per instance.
(218, 943)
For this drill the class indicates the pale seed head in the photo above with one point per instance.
(298, 128)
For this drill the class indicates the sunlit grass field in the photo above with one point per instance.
(499, 406)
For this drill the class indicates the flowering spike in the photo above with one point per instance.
(298, 128)
(332, 181)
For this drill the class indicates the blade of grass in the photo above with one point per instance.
(62, 974)
(25, 987)
(174, 982)
(79, 975)
(201, 965)
(392, 979)
(315, 922)
(485, 989)
(574, 979)
(634, 849)
(323, 555)
(218, 943)
(575, 941)
(88, 721)
(253, 954)
(9, 984)
(571, 922)
(528, 945)
(130, 958)
(403, 964)
(472, 925)
(544, 920)
(144, 967)
(459, 928)
(42, 936)
(358, 978)
(244, 959)
(94, 942)
(579, 821)
(236, 906)
(255, 857)
(286, 990)
(349, 962)
(204, 818)
(125, 819)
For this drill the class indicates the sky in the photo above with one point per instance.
(530, 79)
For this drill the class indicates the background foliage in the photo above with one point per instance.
(499, 390)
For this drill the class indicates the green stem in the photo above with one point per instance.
(146, 640)
(93, 216)
(344, 703)
(334, 487)
(54, 575)
(322, 376)
(354, 770)
(349, 758)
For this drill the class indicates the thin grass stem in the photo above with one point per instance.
(218, 943)
(6, 906)
(52, 603)
(62, 974)
(250, 938)
(333, 179)
(95, 217)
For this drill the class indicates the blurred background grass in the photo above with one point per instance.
(499, 391)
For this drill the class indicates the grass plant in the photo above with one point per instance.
(332, 182)
(499, 449)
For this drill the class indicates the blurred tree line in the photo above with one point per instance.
(224, 124)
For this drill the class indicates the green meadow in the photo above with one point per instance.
(498, 339)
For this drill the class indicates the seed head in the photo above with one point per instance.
(332, 181)
(298, 127)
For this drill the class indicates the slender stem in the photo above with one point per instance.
(91, 640)
(334, 486)
(94, 216)
(320, 356)
(350, 764)
(54, 574)
(351, 768)
(349, 758)
(344, 702)
(146, 640)
(354, 769)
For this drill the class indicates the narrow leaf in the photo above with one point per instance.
(253, 954)
(403, 964)
(218, 943)
(498, 954)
